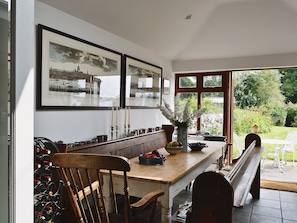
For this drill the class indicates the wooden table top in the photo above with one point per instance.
(175, 166)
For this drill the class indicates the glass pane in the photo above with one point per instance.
(5, 193)
(212, 119)
(212, 81)
(187, 82)
(183, 97)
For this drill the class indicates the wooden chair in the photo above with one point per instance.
(83, 177)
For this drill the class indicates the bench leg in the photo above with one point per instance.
(255, 188)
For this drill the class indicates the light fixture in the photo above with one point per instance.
(189, 16)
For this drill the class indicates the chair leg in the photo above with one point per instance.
(152, 213)
(294, 166)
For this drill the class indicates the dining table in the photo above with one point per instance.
(173, 176)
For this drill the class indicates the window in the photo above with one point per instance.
(208, 90)
(187, 82)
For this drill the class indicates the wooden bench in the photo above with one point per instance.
(217, 192)
(129, 146)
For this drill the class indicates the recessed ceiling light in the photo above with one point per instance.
(189, 16)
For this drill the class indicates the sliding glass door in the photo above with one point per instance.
(4, 111)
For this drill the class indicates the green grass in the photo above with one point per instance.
(276, 132)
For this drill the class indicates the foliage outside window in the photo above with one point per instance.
(205, 91)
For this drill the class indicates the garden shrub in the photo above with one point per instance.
(291, 120)
(245, 119)
(277, 112)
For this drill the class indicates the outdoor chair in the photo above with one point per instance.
(289, 148)
(83, 175)
(238, 145)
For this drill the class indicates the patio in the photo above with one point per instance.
(272, 177)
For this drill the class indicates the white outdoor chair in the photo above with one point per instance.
(237, 145)
(275, 156)
(289, 148)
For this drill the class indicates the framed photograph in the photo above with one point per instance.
(76, 74)
(143, 83)
(166, 86)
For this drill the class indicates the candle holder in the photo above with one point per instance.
(117, 132)
(125, 130)
(112, 129)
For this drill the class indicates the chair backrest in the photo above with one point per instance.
(83, 175)
(292, 138)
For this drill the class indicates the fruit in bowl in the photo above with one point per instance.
(153, 158)
(174, 147)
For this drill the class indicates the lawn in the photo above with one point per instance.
(277, 132)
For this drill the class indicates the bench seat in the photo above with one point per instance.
(216, 192)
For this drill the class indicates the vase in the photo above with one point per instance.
(182, 137)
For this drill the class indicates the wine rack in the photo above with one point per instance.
(48, 205)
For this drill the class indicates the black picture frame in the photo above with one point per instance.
(143, 83)
(76, 74)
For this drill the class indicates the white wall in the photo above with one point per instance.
(71, 126)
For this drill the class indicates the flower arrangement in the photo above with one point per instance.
(181, 116)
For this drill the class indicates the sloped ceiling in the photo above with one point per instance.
(217, 28)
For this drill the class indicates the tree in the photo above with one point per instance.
(289, 83)
(257, 88)
(260, 90)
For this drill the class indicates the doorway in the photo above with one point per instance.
(4, 111)
(267, 98)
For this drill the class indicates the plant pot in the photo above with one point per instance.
(182, 137)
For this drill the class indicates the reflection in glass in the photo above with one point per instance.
(75, 73)
(143, 83)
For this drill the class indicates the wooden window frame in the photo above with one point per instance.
(227, 89)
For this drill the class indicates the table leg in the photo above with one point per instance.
(166, 204)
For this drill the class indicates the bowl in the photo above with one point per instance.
(151, 161)
(197, 146)
(173, 150)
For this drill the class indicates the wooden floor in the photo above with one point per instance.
(273, 178)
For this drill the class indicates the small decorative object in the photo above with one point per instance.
(182, 118)
(153, 158)
(255, 128)
(197, 146)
